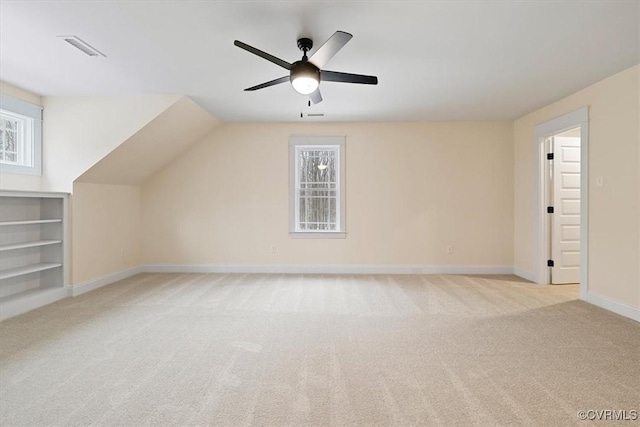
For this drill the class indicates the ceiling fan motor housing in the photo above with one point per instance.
(304, 69)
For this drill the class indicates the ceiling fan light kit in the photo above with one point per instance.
(305, 77)
(306, 74)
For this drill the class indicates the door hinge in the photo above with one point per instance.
(549, 263)
(549, 156)
(549, 209)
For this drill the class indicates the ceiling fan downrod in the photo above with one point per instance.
(305, 45)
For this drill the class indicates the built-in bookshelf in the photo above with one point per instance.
(33, 250)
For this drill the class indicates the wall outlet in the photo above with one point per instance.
(122, 253)
(450, 249)
(273, 249)
(599, 181)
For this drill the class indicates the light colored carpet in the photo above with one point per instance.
(272, 350)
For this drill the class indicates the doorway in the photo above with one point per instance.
(561, 238)
(563, 206)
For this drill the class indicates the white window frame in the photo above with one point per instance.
(29, 143)
(295, 143)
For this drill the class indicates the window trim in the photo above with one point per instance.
(303, 140)
(30, 111)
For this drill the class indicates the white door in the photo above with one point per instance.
(565, 231)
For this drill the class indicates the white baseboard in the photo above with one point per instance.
(615, 306)
(524, 274)
(107, 279)
(328, 269)
(30, 300)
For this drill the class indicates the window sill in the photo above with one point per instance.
(317, 235)
(19, 169)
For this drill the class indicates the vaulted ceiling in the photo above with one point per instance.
(435, 60)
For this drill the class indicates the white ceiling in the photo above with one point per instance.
(435, 60)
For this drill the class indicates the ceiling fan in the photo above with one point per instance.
(305, 75)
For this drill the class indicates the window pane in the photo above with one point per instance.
(316, 166)
(317, 209)
(333, 211)
(9, 139)
(302, 213)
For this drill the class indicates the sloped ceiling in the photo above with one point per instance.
(152, 147)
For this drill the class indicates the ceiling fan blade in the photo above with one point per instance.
(269, 83)
(335, 76)
(315, 96)
(265, 55)
(330, 48)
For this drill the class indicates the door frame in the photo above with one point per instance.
(578, 118)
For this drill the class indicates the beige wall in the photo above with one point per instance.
(105, 219)
(106, 230)
(106, 213)
(13, 181)
(79, 131)
(614, 209)
(412, 189)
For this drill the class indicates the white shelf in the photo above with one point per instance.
(33, 221)
(33, 239)
(20, 271)
(29, 245)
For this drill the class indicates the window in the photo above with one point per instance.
(20, 136)
(317, 186)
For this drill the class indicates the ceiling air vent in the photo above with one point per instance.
(80, 44)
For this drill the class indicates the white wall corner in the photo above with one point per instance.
(614, 306)
(101, 281)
